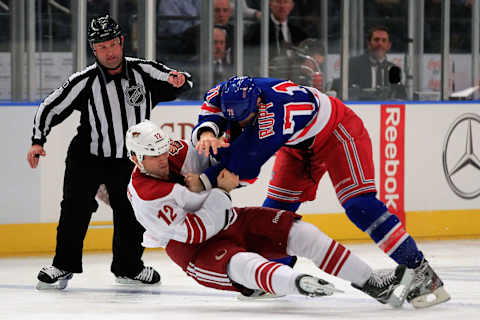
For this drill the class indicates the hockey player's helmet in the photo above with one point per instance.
(103, 29)
(239, 98)
(146, 139)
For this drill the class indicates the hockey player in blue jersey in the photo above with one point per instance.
(245, 121)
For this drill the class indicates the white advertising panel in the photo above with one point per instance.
(441, 160)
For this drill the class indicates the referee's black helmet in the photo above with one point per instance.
(103, 29)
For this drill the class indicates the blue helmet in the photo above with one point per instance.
(238, 98)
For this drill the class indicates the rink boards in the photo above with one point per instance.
(426, 157)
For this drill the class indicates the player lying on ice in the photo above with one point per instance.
(310, 134)
(228, 248)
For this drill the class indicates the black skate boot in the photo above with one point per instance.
(147, 276)
(427, 289)
(313, 287)
(382, 285)
(247, 294)
(53, 278)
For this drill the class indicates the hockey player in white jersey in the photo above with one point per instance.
(228, 248)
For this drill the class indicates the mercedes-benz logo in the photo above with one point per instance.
(465, 158)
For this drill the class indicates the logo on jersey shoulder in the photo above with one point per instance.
(288, 87)
(212, 93)
(266, 121)
(175, 147)
(135, 95)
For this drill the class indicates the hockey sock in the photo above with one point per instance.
(275, 204)
(255, 272)
(372, 216)
(288, 261)
(306, 240)
(391, 237)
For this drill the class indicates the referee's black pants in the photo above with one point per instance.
(83, 176)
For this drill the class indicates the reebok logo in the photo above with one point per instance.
(392, 159)
(277, 217)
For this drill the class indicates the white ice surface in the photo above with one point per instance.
(94, 294)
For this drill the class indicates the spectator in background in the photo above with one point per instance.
(282, 33)
(249, 12)
(392, 14)
(171, 12)
(312, 57)
(370, 70)
(222, 12)
(222, 62)
(174, 17)
(304, 67)
(307, 13)
(370, 74)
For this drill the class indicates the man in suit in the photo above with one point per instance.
(222, 63)
(371, 76)
(282, 32)
(370, 70)
(222, 59)
(222, 12)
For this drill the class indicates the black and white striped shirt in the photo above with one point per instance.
(108, 105)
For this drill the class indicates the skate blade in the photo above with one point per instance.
(58, 285)
(438, 296)
(335, 290)
(400, 293)
(136, 283)
(313, 288)
(326, 290)
(266, 296)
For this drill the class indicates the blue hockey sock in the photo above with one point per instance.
(289, 206)
(394, 240)
(408, 254)
(372, 216)
(288, 260)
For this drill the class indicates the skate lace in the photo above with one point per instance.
(382, 279)
(53, 272)
(420, 273)
(146, 274)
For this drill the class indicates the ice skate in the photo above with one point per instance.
(389, 287)
(257, 295)
(427, 289)
(313, 287)
(147, 276)
(53, 278)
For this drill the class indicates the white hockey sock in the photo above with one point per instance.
(255, 272)
(306, 240)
